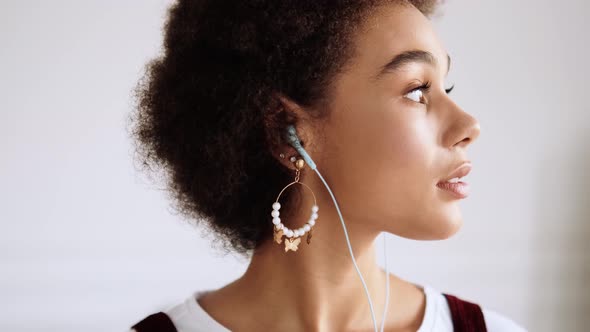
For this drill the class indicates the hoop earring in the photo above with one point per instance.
(293, 237)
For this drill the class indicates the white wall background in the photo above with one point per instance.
(88, 243)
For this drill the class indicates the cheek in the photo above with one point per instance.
(404, 173)
(413, 160)
(393, 156)
(407, 147)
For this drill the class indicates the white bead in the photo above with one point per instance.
(275, 213)
(276, 206)
(307, 227)
(289, 233)
(314, 216)
(276, 220)
(311, 222)
(314, 209)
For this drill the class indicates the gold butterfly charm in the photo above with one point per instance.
(291, 244)
(278, 235)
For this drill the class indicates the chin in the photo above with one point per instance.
(451, 229)
(448, 223)
(432, 230)
(442, 229)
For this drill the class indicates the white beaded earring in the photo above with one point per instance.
(293, 237)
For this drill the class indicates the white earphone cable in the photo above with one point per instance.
(387, 282)
(293, 139)
(355, 265)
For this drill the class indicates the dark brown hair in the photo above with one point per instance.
(207, 113)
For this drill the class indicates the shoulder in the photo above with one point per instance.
(442, 318)
(190, 316)
(185, 315)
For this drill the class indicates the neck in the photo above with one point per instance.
(318, 285)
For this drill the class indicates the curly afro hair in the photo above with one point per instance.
(207, 112)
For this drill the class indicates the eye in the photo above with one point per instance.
(418, 92)
(415, 95)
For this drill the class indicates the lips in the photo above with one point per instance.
(459, 172)
(459, 189)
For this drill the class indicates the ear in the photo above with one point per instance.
(284, 112)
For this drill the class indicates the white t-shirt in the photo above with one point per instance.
(189, 316)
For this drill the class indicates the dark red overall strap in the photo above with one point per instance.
(158, 322)
(467, 316)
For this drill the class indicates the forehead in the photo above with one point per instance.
(393, 29)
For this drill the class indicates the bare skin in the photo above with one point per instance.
(382, 151)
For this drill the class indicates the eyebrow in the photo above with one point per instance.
(408, 57)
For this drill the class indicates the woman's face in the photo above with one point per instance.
(387, 147)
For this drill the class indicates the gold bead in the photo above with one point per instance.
(299, 163)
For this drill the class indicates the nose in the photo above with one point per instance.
(464, 128)
(471, 131)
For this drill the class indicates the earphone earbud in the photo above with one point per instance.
(295, 142)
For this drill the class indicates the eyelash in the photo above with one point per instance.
(426, 87)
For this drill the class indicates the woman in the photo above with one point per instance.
(362, 83)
